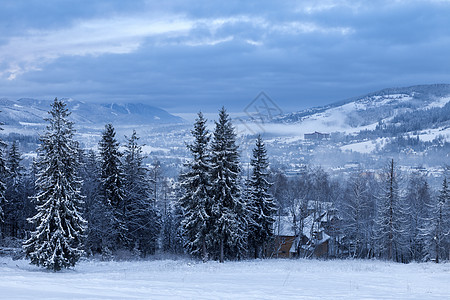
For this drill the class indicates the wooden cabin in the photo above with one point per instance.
(284, 243)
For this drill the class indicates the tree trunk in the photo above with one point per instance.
(204, 254)
(436, 244)
(221, 250)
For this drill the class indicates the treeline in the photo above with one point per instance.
(73, 202)
(410, 122)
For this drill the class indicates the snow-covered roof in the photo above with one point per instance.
(325, 217)
(310, 226)
(313, 204)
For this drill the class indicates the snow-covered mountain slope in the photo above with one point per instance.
(368, 111)
(29, 112)
(412, 120)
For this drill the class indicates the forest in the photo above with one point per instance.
(72, 203)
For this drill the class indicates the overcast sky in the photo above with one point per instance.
(189, 55)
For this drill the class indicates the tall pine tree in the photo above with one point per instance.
(15, 192)
(56, 243)
(112, 190)
(141, 217)
(357, 212)
(261, 204)
(228, 212)
(390, 230)
(195, 202)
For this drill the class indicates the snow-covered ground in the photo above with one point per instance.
(268, 279)
(431, 134)
(366, 146)
(439, 102)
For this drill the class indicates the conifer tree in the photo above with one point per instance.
(357, 214)
(229, 224)
(112, 190)
(261, 204)
(141, 217)
(15, 191)
(391, 224)
(13, 161)
(56, 243)
(195, 201)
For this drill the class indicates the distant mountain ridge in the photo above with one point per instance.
(376, 107)
(33, 111)
(400, 121)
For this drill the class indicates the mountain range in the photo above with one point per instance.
(410, 120)
(28, 111)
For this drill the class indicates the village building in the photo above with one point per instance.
(317, 136)
(283, 244)
(315, 235)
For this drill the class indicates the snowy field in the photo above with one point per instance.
(268, 279)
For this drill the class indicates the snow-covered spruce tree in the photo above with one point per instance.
(13, 163)
(195, 201)
(260, 203)
(391, 227)
(228, 212)
(357, 214)
(140, 214)
(15, 192)
(57, 241)
(436, 229)
(112, 190)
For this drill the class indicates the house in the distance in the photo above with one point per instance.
(314, 241)
(316, 136)
(284, 242)
(320, 230)
(315, 235)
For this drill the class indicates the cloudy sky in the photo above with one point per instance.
(189, 55)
